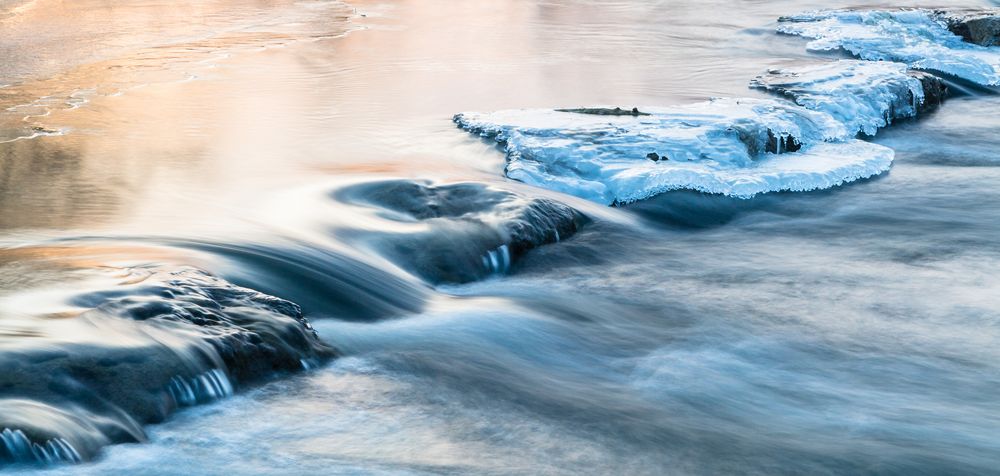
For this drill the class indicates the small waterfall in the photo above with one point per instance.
(202, 388)
(497, 261)
(16, 447)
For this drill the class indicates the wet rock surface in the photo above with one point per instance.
(781, 144)
(176, 338)
(935, 89)
(981, 27)
(463, 231)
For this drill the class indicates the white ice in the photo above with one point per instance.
(864, 95)
(714, 147)
(912, 36)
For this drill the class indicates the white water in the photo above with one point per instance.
(846, 330)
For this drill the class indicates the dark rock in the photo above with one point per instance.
(935, 89)
(653, 156)
(179, 337)
(603, 111)
(981, 27)
(781, 143)
(468, 230)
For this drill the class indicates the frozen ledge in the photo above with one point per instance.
(864, 95)
(955, 42)
(735, 147)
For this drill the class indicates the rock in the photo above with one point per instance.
(465, 231)
(935, 90)
(653, 156)
(781, 143)
(178, 337)
(603, 111)
(981, 27)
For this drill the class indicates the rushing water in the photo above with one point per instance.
(174, 176)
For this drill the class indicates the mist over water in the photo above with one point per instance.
(175, 200)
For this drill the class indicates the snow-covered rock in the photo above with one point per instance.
(920, 38)
(864, 95)
(736, 147)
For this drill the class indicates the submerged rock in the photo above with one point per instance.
(168, 339)
(981, 27)
(464, 231)
(864, 95)
(736, 147)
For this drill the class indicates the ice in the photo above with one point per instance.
(917, 37)
(736, 147)
(864, 95)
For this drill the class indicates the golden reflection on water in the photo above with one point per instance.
(123, 96)
(181, 115)
(48, 265)
(177, 118)
(38, 284)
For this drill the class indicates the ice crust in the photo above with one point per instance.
(916, 37)
(735, 147)
(744, 147)
(863, 95)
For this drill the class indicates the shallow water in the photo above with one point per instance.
(845, 330)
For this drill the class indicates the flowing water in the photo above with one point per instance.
(175, 175)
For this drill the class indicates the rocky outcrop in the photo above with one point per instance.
(176, 338)
(935, 89)
(981, 27)
(466, 231)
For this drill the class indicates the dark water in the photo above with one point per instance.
(195, 189)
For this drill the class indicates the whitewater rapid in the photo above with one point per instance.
(296, 265)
